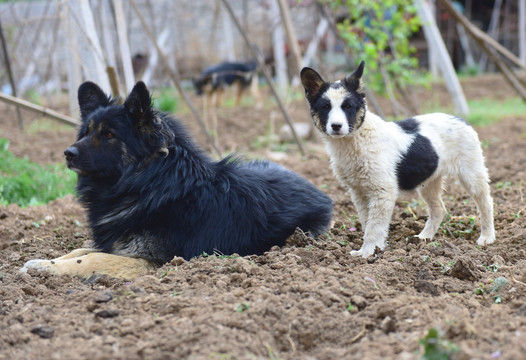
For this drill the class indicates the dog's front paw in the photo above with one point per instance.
(37, 264)
(485, 240)
(368, 250)
(363, 252)
(360, 253)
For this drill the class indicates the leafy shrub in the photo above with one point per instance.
(25, 183)
(379, 32)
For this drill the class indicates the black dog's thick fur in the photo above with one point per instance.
(151, 193)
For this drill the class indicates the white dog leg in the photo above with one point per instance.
(431, 194)
(360, 203)
(476, 183)
(377, 228)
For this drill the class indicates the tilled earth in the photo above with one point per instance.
(307, 300)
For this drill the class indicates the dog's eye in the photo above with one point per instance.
(109, 135)
(346, 106)
(326, 106)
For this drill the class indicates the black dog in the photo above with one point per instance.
(216, 78)
(152, 194)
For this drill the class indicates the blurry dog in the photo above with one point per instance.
(379, 160)
(214, 80)
(151, 194)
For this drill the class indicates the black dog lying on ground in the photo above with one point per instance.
(152, 194)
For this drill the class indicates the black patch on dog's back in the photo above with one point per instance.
(419, 162)
(410, 125)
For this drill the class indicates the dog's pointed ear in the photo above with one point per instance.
(91, 97)
(139, 103)
(312, 82)
(354, 81)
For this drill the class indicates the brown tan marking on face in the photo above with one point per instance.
(91, 125)
(316, 120)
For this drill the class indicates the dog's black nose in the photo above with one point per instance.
(71, 152)
(336, 127)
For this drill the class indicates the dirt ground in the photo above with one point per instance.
(307, 300)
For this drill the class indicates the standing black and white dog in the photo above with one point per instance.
(378, 160)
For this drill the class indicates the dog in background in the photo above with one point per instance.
(378, 160)
(214, 80)
(151, 194)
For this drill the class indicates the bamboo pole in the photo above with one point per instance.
(291, 36)
(10, 74)
(265, 72)
(38, 109)
(174, 76)
(435, 40)
(120, 21)
(522, 30)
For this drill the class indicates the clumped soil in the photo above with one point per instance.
(307, 300)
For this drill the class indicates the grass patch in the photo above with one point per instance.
(485, 112)
(25, 183)
(489, 111)
(167, 101)
(47, 125)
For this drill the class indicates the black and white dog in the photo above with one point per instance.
(378, 160)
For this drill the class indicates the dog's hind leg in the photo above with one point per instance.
(380, 211)
(477, 185)
(431, 194)
(239, 92)
(88, 263)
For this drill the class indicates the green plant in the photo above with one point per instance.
(503, 185)
(458, 227)
(167, 101)
(242, 307)
(436, 347)
(25, 183)
(378, 32)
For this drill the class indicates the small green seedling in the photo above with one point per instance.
(436, 347)
(242, 307)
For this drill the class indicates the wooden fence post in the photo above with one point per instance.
(10, 75)
(265, 72)
(434, 39)
(129, 78)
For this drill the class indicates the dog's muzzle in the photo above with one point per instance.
(71, 153)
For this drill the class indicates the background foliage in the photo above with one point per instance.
(378, 32)
(25, 183)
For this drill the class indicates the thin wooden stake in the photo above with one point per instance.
(435, 40)
(487, 44)
(265, 72)
(129, 78)
(10, 74)
(291, 36)
(350, 61)
(477, 33)
(174, 76)
(38, 109)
